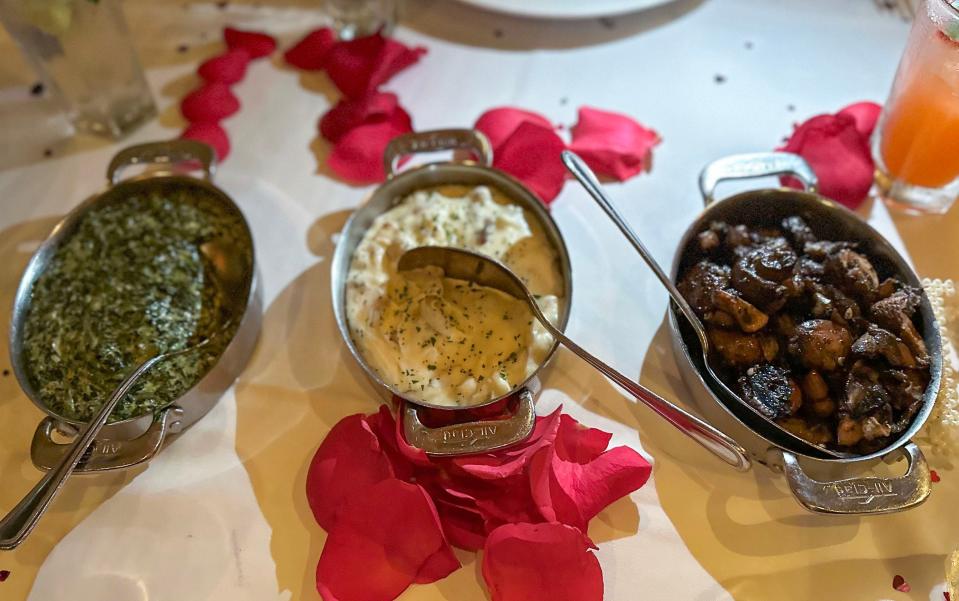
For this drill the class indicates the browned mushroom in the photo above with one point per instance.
(877, 342)
(798, 231)
(759, 273)
(749, 318)
(864, 392)
(771, 391)
(853, 273)
(817, 434)
(848, 432)
(895, 314)
(820, 344)
(699, 283)
(738, 349)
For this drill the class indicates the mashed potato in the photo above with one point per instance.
(444, 341)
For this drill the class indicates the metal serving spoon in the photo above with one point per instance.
(473, 267)
(585, 176)
(21, 520)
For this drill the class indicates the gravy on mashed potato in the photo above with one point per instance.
(444, 341)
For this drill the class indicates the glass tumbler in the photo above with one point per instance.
(916, 146)
(83, 49)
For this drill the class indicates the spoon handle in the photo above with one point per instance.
(585, 176)
(23, 518)
(707, 436)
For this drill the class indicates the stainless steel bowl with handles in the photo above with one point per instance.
(469, 436)
(138, 439)
(820, 482)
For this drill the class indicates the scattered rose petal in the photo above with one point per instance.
(464, 527)
(508, 502)
(934, 475)
(838, 153)
(310, 53)
(573, 493)
(375, 107)
(612, 144)
(382, 542)
(384, 427)
(541, 562)
(866, 115)
(358, 156)
(362, 65)
(255, 43)
(349, 461)
(4, 574)
(412, 454)
(946, 596)
(499, 124)
(209, 103)
(575, 442)
(228, 68)
(531, 154)
(899, 583)
(209, 133)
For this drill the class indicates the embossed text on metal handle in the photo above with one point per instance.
(169, 152)
(862, 495)
(436, 140)
(471, 437)
(743, 166)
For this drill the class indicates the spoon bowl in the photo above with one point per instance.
(479, 269)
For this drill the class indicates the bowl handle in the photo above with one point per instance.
(105, 455)
(863, 495)
(434, 141)
(744, 166)
(471, 437)
(169, 152)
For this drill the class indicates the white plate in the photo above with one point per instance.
(565, 9)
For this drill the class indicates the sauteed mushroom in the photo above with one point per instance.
(809, 333)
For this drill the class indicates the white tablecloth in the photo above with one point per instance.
(221, 514)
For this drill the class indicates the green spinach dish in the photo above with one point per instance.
(129, 283)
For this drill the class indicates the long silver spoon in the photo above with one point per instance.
(585, 176)
(22, 519)
(473, 267)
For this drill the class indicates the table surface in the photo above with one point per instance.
(222, 514)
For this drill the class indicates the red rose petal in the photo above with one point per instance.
(4, 574)
(464, 528)
(573, 493)
(577, 443)
(934, 475)
(383, 540)
(946, 596)
(349, 460)
(209, 103)
(358, 156)
(209, 133)
(511, 461)
(310, 53)
(531, 154)
(509, 502)
(375, 107)
(612, 144)
(838, 153)
(362, 65)
(548, 562)
(228, 68)
(866, 115)
(385, 428)
(255, 43)
(899, 583)
(499, 124)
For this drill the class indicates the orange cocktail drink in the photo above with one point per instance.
(917, 146)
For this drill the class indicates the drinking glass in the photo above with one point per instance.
(917, 142)
(357, 18)
(82, 48)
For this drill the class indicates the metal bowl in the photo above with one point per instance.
(841, 487)
(136, 440)
(469, 436)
